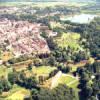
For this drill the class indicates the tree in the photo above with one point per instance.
(1, 88)
(51, 43)
(31, 82)
(87, 91)
(92, 98)
(52, 60)
(46, 94)
(34, 94)
(13, 77)
(30, 67)
(5, 85)
(44, 35)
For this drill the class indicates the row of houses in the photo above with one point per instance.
(22, 37)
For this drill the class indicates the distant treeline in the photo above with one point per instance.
(47, 0)
(29, 0)
(15, 0)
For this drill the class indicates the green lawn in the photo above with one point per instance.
(66, 79)
(74, 85)
(74, 68)
(69, 81)
(43, 70)
(4, 70)
(17, 93)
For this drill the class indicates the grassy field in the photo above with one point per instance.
(69, 80)
(74, 68)
(55, 24)
(97, 12)
(66, 79)
(68, 39)
(42, 70)
(17, 93)
(74, 85)
(4, 71)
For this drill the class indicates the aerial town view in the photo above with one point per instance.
(49, 49)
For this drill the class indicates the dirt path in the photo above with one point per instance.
(54, 81)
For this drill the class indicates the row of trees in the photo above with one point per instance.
(62, 92)
(5, 85)
(89, 81)
(91, 33)
(21, 79)
(66, 54)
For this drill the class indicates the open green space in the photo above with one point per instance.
(74, 85)
(74, 68)
(4, 70)
(17, 93)
(68, 39)
(66, 79)
(43, 70)
(69, 80)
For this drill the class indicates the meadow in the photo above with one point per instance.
(69, 80)
(68, 39)
(17, 93)
(42, 70)
(4, 71)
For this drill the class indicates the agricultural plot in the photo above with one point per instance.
(68, 39)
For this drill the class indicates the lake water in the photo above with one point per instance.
(82, 18)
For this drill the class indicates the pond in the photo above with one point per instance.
(81, 19)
